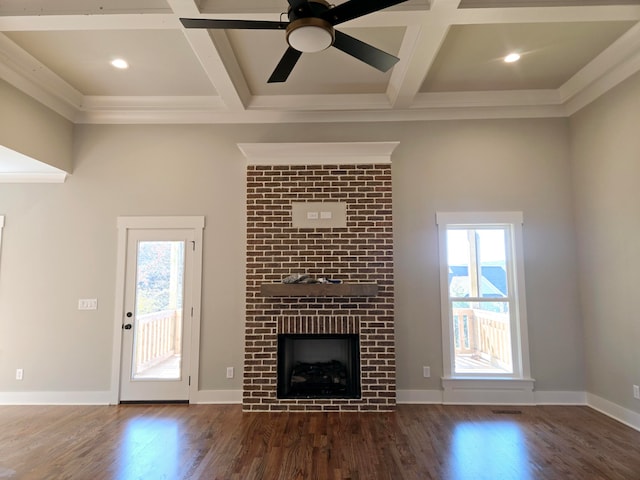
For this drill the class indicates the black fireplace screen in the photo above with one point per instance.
(318, 366)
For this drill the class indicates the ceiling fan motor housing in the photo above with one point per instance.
(310, 33)
(314, 7)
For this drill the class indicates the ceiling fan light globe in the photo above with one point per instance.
(310, 35)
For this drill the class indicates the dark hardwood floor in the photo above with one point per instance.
(220, 442)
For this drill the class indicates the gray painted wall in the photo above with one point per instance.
(606, 162)
(32, 129)
(59, 242)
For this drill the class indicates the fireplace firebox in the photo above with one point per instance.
(318, 366)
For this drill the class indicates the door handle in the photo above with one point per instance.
(127, 326)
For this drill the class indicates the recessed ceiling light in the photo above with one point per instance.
(512, 57)
(120, 63)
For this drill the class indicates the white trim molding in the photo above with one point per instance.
(57, 177)
(435, 397)
(317, 153)
(419, 397)
(221, 397)
(499, 391)
(615, 411)
(55, 398)
(560, 398)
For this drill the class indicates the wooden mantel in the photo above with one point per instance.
(318, 290)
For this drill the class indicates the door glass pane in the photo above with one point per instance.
(157, 340)
(484, 337)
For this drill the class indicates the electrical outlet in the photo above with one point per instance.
(426, 372)
(229, 372)
(19, 373)
(636, 392)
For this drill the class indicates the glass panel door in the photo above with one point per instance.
(156, 329)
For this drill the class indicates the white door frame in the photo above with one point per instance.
(196, 223)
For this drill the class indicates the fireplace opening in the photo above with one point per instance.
(318, 366)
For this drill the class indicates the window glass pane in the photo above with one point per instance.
(492, 260)
(483, 343)
(458, 255)
(456, 331)
(477, 262)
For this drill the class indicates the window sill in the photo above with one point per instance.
(488, 390)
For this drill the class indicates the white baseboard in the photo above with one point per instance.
(219, 396)
(104, 398)
(503, 391)
(55, 398)
(419, 396)
(539, 398)
(559, 398)
(615, 411)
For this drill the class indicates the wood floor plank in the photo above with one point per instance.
(417, 442)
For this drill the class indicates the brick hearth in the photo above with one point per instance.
(361, 252)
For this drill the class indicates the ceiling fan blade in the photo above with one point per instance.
(370, 55)
(285, 66)
(236, 24)
(356, 8)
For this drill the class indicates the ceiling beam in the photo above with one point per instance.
(27, 74)
(137, 21)
(419, 48)
(472, 16)
(215, 54)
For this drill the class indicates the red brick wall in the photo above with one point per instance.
(362, 252)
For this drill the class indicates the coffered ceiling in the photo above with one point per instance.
(451, 60)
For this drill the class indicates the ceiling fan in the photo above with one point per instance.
(310, 29)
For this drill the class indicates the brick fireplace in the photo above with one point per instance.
(360, 252)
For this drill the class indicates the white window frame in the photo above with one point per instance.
(1, 226)
(516, 387)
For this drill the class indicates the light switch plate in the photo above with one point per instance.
(88, 304)
(318, 214)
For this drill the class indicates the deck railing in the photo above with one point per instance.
(483, 335)
(158, 337)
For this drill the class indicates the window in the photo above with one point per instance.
(483, 304)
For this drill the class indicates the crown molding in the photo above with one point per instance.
(317, 153)
(33, 177)
(27, 74)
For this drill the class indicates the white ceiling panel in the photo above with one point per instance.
(160, 61)
(471, 58)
